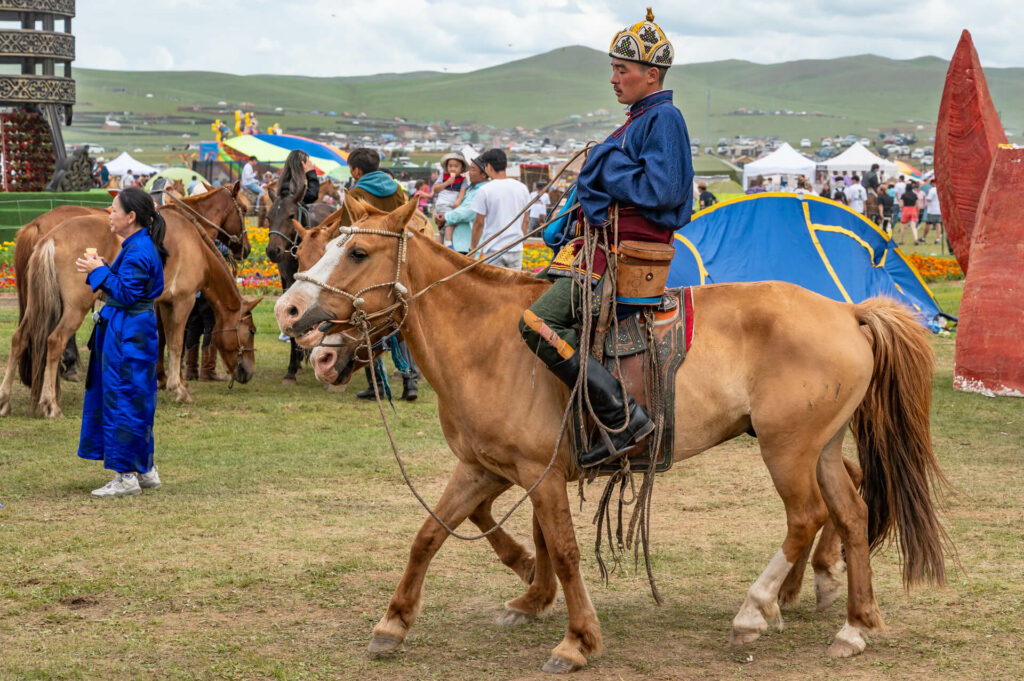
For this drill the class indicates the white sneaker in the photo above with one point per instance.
(284, 338)
(123, 485)
(150, 480)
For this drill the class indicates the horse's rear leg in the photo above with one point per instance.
(792, 471)
(468, 487)
(49, 396)
(17, 349)
(510, 552)
(828, 563)
(829, 568)
(543, 587)
(850, 515)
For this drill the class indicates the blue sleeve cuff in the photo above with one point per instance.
(96, 278)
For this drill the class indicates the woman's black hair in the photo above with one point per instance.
(293, 177)
(134, 200)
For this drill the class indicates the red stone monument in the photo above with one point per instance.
(980, 181)
(966, 137)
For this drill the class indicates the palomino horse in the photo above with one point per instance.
(769, 358)
(58, 299)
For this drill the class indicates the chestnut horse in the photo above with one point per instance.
(768, 358)
(58, 299)
(220, 226)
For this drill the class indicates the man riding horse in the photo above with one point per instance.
(643, 173)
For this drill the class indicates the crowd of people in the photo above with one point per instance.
(904, 202)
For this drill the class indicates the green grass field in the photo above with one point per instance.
(283, 527)
(858, 95)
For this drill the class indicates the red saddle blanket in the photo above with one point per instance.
(652, 384)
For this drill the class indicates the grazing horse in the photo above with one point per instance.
(215, 218)
(58, 299)
(767, 358)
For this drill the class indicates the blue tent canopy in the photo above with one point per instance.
(811, 241)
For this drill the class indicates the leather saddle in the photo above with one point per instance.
(624, 350)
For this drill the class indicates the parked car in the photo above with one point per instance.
(709, 150)
(917, 153)
(805, 143)
(827, 142)
(848, 140)
(905, 150)
(927, 161)
(865, 141)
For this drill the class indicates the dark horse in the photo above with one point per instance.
(281, 247)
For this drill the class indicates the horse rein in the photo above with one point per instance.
(232, 238)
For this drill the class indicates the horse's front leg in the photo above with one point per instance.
(510, 552)
(551, 508)
(468, 487)
(174, 333)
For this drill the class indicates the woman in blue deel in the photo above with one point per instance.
(120, 395)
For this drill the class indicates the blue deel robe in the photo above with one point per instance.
(646, 163)
(120, 395)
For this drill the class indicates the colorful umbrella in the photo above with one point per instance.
(274, 150)
(908, 170)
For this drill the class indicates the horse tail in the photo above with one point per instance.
(43, 311)
(891, 427)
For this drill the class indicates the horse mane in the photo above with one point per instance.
(491, 273)
(207, 241)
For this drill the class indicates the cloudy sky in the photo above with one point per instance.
(360, 37)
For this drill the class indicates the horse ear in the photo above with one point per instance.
(234, 189)
(356, 208)
(248, 303)
(399, 217)
(299, 229)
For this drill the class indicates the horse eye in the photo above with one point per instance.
(358, 255)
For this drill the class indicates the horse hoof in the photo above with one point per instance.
(382, 644)
(848, 642)
(842, 649)
(5, 409)
(289, 380)
(514, 618)
(739, 638)
(559, 665)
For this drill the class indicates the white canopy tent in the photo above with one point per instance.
(858, 159)
(783, 161)
(123, 163)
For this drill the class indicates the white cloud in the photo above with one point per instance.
(361, 37)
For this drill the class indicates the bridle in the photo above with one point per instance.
(240, 349)
(293, 241)
(376, 327)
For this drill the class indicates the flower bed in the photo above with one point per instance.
(932, 268)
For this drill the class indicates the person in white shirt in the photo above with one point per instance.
(933, 217)
(249, 180)
(497, 204)
(539, 208)
(901, 186)
(856, 195)
(127, 180)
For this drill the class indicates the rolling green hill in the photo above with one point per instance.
(859, 95)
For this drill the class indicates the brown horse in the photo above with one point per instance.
(58, 299)
(770, 358)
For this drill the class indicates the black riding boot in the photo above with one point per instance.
(368, 393)
(606, 399)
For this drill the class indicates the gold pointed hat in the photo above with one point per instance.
(643, 42)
